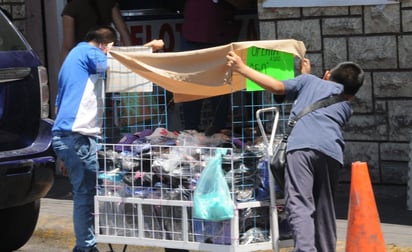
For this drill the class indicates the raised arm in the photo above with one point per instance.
(68, 36)
(235, 63)
(121, 26)
(155, 44)
(305, 67)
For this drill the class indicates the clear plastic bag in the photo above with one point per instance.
(211, 199)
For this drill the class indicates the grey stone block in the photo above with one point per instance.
(367, 127)
(375, 52)
(392, 84)
(267, 30)
(393, 151)
(394, 172)
(363, 102)
(334, 51)
(342, 26)
(277, 13)
(307, 31)
(405, 50)
(366, 152)
(406, 20)
(325, 11)
(382, 18)
(400, 120)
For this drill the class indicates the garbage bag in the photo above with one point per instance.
(211, 198)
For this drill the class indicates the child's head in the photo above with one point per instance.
(102, 35)
(349, 74)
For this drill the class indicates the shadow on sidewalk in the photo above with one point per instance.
(390, 201)
(61, 189)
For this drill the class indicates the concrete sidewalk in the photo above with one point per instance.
(55, 221)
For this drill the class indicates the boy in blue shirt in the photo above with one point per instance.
(315, 147)
(78, 124)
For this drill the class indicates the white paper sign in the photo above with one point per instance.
(120, 79)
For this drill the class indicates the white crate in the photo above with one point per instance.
(145, 195)
(145, 198)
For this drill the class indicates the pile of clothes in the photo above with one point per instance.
(166, 165)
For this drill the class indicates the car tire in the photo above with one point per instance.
(18, 224)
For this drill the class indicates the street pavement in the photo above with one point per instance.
(55, 220)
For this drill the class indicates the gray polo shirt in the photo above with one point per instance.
(319, 130)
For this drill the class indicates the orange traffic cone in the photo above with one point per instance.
(364, 233)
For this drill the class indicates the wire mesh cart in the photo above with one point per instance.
(148, 176)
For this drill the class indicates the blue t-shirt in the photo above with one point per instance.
(321, 129)
(79, 98)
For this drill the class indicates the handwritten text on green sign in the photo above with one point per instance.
(277, 64)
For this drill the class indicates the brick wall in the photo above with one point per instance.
(379, 38)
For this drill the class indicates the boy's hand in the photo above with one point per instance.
(305, 67)
(234, 62)
(155, 44)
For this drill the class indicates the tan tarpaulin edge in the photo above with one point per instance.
(197, 74)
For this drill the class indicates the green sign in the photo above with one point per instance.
(279, 65)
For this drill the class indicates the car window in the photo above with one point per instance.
(9, 39)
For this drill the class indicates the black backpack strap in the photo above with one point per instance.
(317, 105)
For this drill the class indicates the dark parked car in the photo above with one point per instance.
(27, 161)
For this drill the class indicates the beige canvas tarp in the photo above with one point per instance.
(197, 74)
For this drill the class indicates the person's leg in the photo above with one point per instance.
(79, 155)
(326, 179)
(300, 205)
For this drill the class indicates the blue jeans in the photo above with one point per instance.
(78, 152)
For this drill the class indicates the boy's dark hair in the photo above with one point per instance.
(350, 75)
(103, 34)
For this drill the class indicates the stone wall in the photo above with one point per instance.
(379, 38)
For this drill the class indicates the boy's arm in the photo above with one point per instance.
(305, 67)
(155, 44)
(121, 26)
(267, 82)
(68, 37)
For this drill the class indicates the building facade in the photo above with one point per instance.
(378, 37)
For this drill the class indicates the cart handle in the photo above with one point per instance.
(273, 212)
(274, 127)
